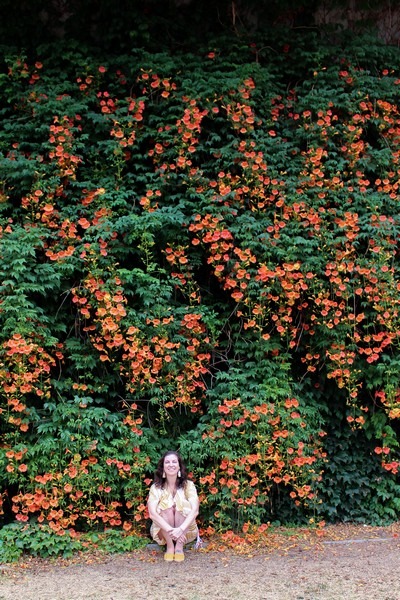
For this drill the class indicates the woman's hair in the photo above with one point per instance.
(159, 480)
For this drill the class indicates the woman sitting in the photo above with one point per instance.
(173, 506)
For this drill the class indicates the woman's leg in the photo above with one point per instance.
(169, 516)
(179, 518)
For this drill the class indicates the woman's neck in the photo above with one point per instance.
(171, 482)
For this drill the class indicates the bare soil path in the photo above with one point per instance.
(348, 563)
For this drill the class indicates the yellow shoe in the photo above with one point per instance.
(179, 557)
(168, 557)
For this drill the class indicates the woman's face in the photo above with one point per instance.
(171, 464)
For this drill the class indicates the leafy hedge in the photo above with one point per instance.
(200, 251)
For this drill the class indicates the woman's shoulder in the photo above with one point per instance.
(155, 490)
(190, 486)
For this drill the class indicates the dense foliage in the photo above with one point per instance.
(200, 251)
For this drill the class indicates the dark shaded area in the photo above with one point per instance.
(153, 24)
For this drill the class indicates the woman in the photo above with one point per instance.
(173, 506)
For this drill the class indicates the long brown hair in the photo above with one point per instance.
(160, 481)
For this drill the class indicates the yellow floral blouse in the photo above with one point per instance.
(181, 500)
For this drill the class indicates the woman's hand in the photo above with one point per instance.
(176, 533)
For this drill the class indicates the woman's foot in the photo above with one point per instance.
(169, 556)
(179, 556)
(169, 553)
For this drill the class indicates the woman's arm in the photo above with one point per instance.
(194, 503)
(179, 533)
(192, 498)
(155, 517)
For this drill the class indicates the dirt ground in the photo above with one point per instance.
(347, 563)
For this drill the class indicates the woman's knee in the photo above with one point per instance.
(179, 518)
(169, 515)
